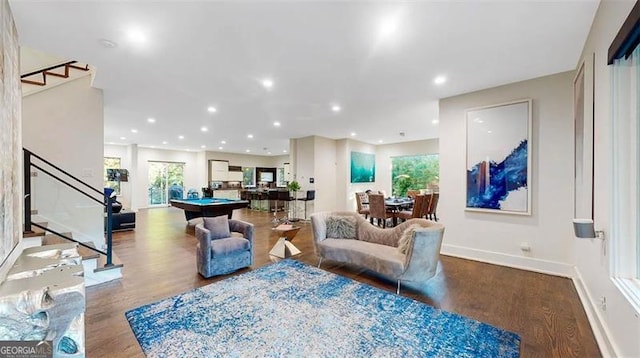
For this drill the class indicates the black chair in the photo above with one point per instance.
(311, 195)
(285, 198)
(272, 195)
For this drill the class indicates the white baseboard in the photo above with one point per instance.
(519, 262)
(598, 326)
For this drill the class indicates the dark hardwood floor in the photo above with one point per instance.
(159, 261)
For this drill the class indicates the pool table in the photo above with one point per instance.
(195, 208)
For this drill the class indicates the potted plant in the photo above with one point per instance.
(293, 186)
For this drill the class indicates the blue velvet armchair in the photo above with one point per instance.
(218, 251)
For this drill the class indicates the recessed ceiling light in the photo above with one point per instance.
(204, 129)
(123, 138)
(268, 152)
(151, 120)
(267, 83)
(353, 134)
(220, 148)
(388, 26)
(276, 124)
(108, 44)
(223, 142)
(165, 142)
(211, 109)
(180, 137)
(336, 108)
(249, 136)
(136, 35)
(248, 150)
(440, 80)
(203, 146)
(284, 151)
(133, 130)
(380, 141)
(489, 132)
(152, 146)
(435, 121)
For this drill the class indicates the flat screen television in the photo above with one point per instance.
(117, 175)
(266, 177)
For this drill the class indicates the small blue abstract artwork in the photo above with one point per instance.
(363, 167)
(498, 162)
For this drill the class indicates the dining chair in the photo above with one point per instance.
(363, 204)
(416, 212)
(377, 209)
(412, 193)
(433, 205)
(425, 207)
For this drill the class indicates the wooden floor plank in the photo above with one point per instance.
(159, 261)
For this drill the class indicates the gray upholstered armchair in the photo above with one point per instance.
(219, 251)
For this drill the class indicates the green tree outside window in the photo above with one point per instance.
(414, 172)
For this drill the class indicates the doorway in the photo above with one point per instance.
(166, 182)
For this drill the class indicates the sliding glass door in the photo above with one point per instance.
(166, 182)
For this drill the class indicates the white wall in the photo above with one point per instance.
(324, 176)
(497, 237)
(618, 327)
(64, 124)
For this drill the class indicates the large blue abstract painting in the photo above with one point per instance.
(498, 158)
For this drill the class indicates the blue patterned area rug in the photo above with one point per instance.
(292, 309)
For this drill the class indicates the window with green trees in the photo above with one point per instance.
(248, 176)
(414, 172)
(111, 163)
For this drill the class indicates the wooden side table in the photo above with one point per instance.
(284, 248)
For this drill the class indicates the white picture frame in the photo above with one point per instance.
(498, 158)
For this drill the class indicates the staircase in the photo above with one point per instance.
(57, 223)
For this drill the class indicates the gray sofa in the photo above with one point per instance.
(377, 249)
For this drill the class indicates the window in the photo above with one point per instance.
(111, 163)
(248, 177)
(280, 178)
(414, 172)
(625, 235)
(166, 182)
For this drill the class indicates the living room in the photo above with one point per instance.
(542, 242)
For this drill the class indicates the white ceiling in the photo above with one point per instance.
(202, 53)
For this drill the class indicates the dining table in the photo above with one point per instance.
(395, 205)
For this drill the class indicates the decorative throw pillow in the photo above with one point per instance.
(218, 226)
(407, 238)
(341, 227)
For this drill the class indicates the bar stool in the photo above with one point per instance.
(283, 196)
(273, 198)
(311, 196)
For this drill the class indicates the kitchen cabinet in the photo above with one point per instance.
(219, 170)
(235, 176)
